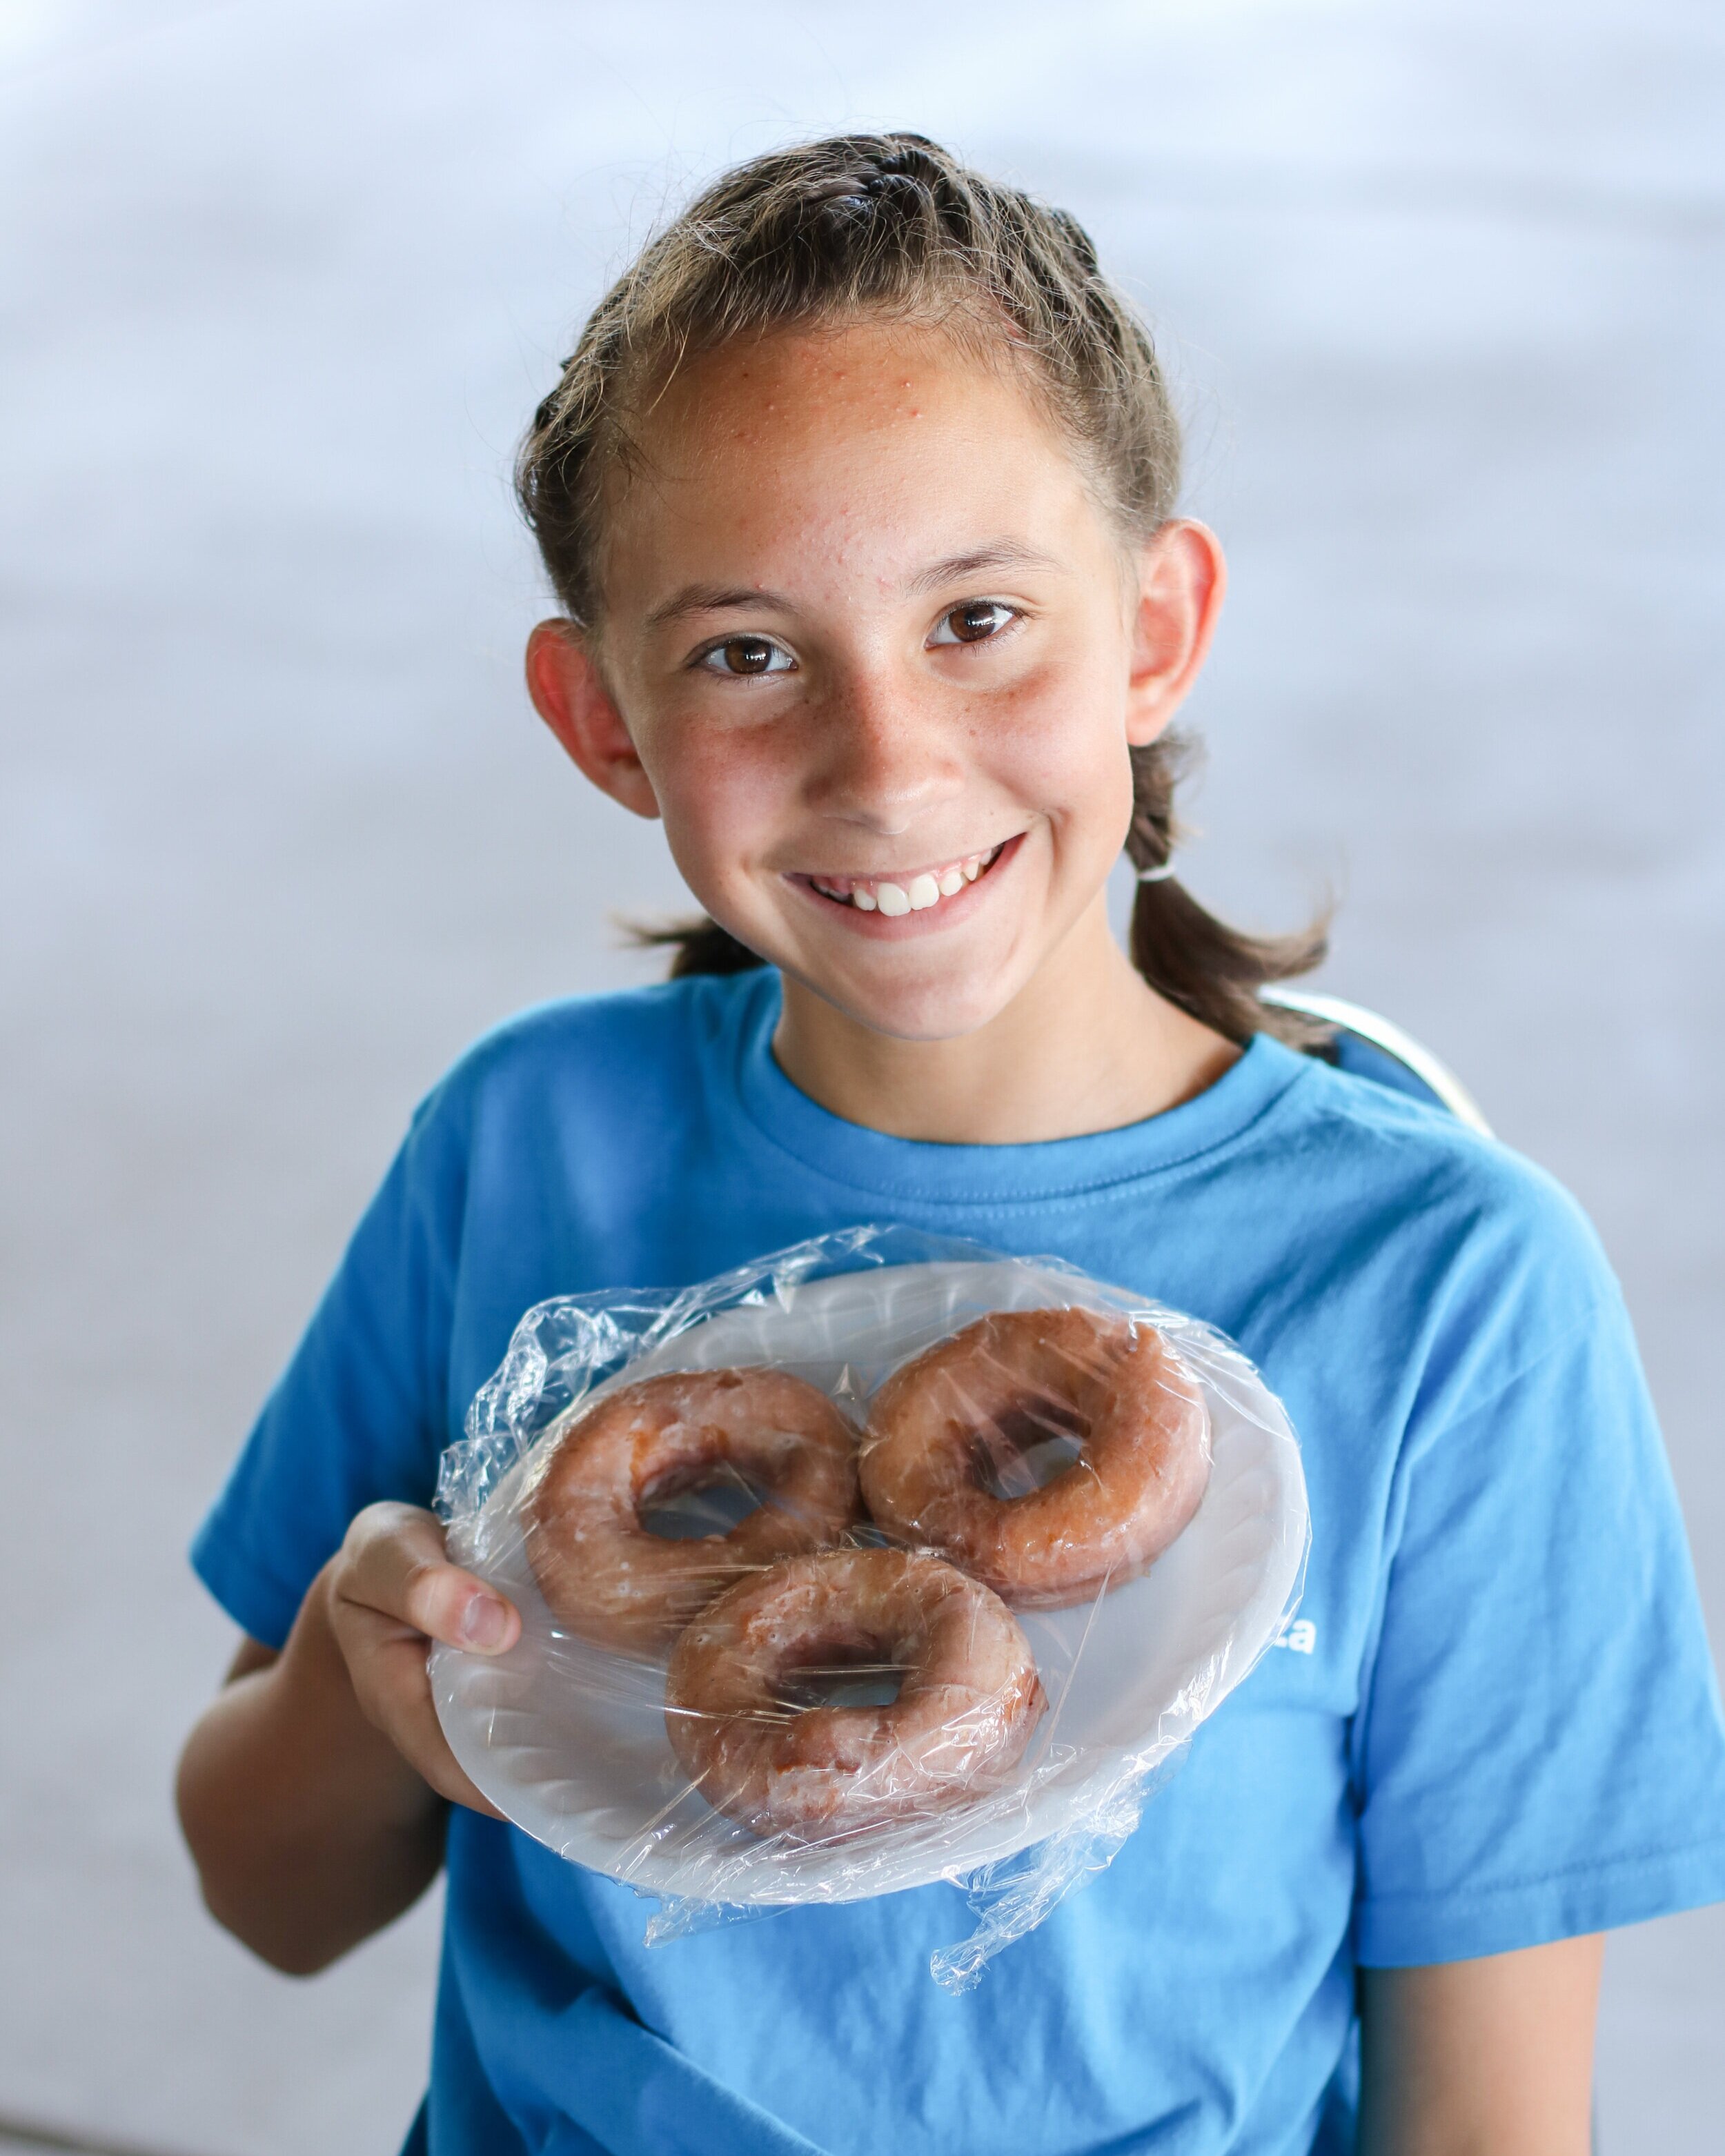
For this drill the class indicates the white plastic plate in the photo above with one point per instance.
(568, 1740)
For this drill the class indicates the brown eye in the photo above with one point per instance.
(746, 655)
(973, 623)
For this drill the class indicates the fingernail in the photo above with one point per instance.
(483, 1622)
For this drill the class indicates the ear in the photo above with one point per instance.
(1182, 577)
(570, 694)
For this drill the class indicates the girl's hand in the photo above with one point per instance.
(312, 1791)
(389, 1592)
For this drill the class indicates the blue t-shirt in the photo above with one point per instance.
(1497, 1724)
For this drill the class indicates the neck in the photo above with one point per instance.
(1085, 1045)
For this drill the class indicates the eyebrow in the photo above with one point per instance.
(714, 598)
(997, 554)
(730, 599)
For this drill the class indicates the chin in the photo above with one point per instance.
(934, 1012)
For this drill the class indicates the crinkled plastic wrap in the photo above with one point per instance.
(882, 1561)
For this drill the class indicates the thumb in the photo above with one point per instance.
(396, 1566)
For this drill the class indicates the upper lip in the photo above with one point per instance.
(981, 855)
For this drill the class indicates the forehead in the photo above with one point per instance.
(875, 375)
(840, 449)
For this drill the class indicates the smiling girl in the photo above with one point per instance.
(859, 498)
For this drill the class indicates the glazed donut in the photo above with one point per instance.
(968, 1701)
(943, 1458)
(603, 1575)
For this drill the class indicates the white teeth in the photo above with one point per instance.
(916, 896)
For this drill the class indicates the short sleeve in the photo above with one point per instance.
(1540, 1753)
(361, 1412)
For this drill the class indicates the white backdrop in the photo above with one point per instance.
(279, 283)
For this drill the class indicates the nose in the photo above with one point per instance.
(884, 754)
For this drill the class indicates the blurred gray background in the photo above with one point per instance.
(1441, 281)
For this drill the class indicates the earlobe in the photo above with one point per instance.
(570, 693)
(1183, 576)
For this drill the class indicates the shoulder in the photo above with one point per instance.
(607, 1031)
(1374, 1146)
(1473, 1241)
(572, 1096)
(1408, 1154)
(593, 1051)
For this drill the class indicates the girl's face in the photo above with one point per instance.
(875, 655)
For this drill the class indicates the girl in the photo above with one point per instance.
(859, 496)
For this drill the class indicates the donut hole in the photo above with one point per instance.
(701, 1503)
(848, 1673)
(1028, 1443)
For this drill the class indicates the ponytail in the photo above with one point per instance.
(1212, 972)
(699, 945)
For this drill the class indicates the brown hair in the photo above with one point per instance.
(893, 225)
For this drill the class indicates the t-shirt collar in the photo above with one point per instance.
(910, 1168)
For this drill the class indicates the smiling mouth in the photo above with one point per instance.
(915, 893)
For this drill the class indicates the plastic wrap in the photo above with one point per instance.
(844, 1573)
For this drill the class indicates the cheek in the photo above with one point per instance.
(722, 792)
(1060, 744)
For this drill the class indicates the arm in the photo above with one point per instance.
(1491, 2057)
(312, 1792)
